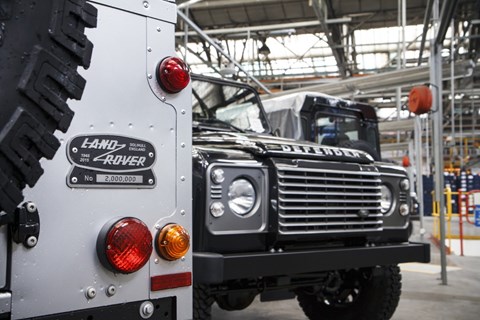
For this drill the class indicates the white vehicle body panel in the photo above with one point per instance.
(122, 98)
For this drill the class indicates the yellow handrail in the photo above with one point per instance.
(461, 205)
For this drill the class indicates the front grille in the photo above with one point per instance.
(316, 200)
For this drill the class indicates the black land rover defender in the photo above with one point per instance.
(333, 121)
(285, 218)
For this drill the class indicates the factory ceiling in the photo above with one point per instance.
(342, 36)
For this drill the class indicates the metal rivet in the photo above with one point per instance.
(183, 111)
(111, 290)
(149, 76)
(163, 98)
(90, 293)
(159, 29)
(157, 261)
(182, 178)
(74, 150)
(150, 154)
(182, 212)
(182, 145)
(149, 49)
(157, 226)
(74, 179)
(32, 241)
(150, 181)
(146, 4)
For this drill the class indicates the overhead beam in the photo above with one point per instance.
(199, 4)
(377, 82)
(396, 125)
(321, 9)
(278, 26)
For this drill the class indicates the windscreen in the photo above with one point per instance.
(333, 127)
(236, 106)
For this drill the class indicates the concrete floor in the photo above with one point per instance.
(423, 295)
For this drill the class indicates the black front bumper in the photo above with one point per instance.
(216, 268)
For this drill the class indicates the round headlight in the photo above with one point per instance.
(217, 209)
(241, 196)
(218, 175)
(404, 184)
(387, 199)
(404, 210)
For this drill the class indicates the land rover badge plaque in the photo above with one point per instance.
(110, 161)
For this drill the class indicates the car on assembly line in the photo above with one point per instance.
(285, 218)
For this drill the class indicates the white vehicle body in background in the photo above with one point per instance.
(126, 154)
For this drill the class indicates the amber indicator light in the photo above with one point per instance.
(173, 242)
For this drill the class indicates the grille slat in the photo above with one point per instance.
(337, 186)
(216, 192)
(323, 216)
(329, 224)
(320, 193)
(324, 208)
(316, 200)
(330, 178)
(326, 200)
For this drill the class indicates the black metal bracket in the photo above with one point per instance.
(26, 225)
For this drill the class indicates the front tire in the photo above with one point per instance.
(366, 294)
(202, 302)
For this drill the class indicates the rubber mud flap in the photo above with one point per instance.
(42, 43)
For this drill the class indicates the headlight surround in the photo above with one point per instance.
(386, 199)
(241, 196)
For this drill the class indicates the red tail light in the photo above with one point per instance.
(173, 74)
(124, 245)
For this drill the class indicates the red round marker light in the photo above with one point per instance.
(173, 74)
(124, 245)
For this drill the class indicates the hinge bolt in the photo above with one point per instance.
(31, 207)
(32, 241)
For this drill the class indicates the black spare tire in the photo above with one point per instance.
(42, 42)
